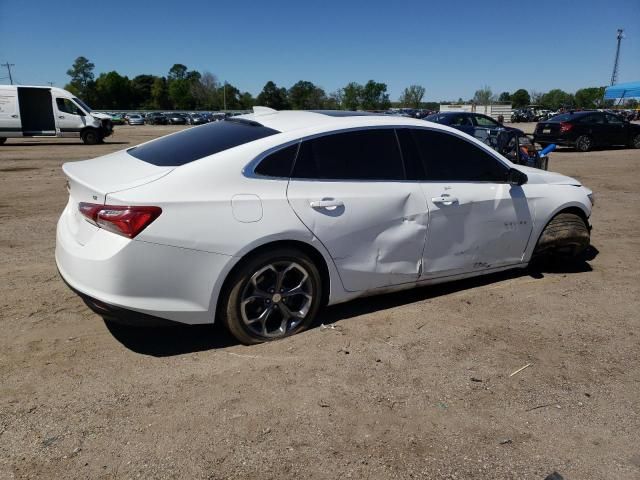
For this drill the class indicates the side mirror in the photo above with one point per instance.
(516, 177)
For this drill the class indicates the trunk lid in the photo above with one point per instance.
(92, 180)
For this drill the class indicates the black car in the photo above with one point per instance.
(196, 119)
(176, 118)
(483, 127)
(586, 130)
(155, 119)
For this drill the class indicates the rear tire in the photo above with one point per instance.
(90, 137)
(565, 237)
(584, 143)
(271, 295)
(635, 143)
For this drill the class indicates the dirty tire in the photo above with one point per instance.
(635, 143)
(256, 286)
(90, 137)
(565, 237)
(584, 143)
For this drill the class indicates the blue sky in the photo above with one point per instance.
(452, 48)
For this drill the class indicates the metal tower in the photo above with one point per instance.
(614, 75)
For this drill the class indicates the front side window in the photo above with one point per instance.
(441, 156)
(461, 121)
(614, 119)
(486, 122)
(359, 155)
(67, 106)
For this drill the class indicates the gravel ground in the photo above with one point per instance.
(409, 385)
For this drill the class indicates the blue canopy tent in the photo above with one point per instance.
(623, 90)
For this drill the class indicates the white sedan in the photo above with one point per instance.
(260, 220)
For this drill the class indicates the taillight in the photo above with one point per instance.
(565, 127)
(125, 221)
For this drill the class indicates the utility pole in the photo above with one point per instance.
(51, 83)
(614, 75)
(9, 65)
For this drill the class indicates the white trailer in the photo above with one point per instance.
(32, 111)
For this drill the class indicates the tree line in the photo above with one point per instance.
(184, 89)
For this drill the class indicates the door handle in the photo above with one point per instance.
(60, 116)
(14, 116)
(328, 204)
(445, 200)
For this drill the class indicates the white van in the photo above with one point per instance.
(28, 111)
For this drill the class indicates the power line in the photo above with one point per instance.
(8, 65)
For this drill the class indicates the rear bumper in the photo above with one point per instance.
(562, 141)
(118, 275)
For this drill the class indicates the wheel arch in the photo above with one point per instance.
(324, 267)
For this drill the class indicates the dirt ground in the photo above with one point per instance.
(408, 385)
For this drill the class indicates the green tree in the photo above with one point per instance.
(374, 96)
(141, 86)
(82, 79)
(351, 96)
(273, 97)
(205, 91)
(589, 97)
(180, 94)
(556, 98)
(177, 72)
(520, 98)
(504, 97)
(305, 95)
(160, 94)
(412, 96)
(247, 101)
(483, 96)
(113, 91)
(230, 96)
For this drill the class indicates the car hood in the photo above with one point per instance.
(536, 175)
(101, 116)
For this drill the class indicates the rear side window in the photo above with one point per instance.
(359, 155)
(279, 163)
(196, 143)
(441, 156)
(595, 118)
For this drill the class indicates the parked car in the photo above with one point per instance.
(135, 119)
(483, 127)
(174, 118)
(29, 111)
(259, 220)
(196, 119)
(117, 119)
(155, 119)
(588, 129)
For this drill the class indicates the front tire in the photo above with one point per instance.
(635, 143)
(272, 295)
(584, 143)
(90, 137)
(565, 237)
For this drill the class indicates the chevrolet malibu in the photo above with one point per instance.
(261, 219)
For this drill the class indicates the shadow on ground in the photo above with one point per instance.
(182, 339)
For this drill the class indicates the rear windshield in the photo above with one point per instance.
(196, 143)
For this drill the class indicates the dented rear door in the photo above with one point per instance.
(374, 227)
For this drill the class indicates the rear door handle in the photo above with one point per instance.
(328, 204)
(445, 200)
(14, 116)
(60, 116)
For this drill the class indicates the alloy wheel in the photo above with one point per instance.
(276, 299)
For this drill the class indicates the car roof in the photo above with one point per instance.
(291, 120)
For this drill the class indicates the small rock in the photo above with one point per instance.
(323, 404)
(475, 379)
(506, 441)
